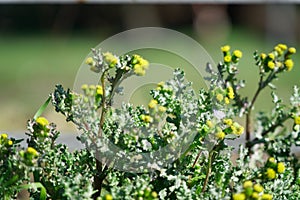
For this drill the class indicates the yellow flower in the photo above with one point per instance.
(271, 55)
(263, 56)
(258, 188)
(227, 58)
(42, 121)
(271, 64)
(99, 90)
(280, 167)
(292, 50)
(219, 97)
(289, 64)
(220, 135)
(238, 53)
(271, 174)
(226, 100)
(162, 109)
(247, 184)
(92, 87)
(278, 50)
(239, 196)
(230, 92)
(272, 160)
(282, 46)
(4, 136)
(110, 58)
(84, 87)
(237, 129)
(161, 84)
(32, 151)
(228, 122)
(152, 103)
(138, 70)
(255, 195)
(10, 142)
(108, 197)
(209, 124)
(154, 194)
(297, 120)
(225, 48)
(89, 61)
(148, 119)
(266, 197)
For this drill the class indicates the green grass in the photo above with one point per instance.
(32, 64)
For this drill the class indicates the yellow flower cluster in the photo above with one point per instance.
(4, 140)
(152, 104)
(139, 65)
(32, 151)
(230, 92)
(279, 58)
(273, 167)
(146, 118)
(42, 121)
(108, 197)
(297, 120)
(91, 90)
(220, 134)
(230, 57)
(230, 127)
(111, 59)
(237, 129)
(252, 191)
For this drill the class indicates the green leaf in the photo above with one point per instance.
(42, 108)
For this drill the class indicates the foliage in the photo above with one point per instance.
(173, 148)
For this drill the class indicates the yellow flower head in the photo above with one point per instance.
(271, 64)
(148, 119)
(99, 90)
(42, 121)
(226, 100)
(219, 97)
(32, 151)
(278, 50)
(272, 160)
(238, 53)
(282, 46)
(255, 195)
(209, 124)
(297, 120)
(4, 136)
(10, 142)
(230, 92)
(152, 103)
(247, 184)
(266, 197)
(220, 135)
(228, 122)
(263, 56)
(89, 61)
(110, 59)
(227, 59)
(225, 48)
(139, 70)
(84, 87)
(292, 50)
(280, 167)
(108, 197)
(239, 196)
(154, 194)
(162, 109)
(258, 188)
(271, 56)
(289, 64)
(271, 174)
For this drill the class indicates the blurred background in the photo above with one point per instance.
(43, 45)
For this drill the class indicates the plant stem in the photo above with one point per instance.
(208, 170)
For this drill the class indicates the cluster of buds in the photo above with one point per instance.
(5, 141)
(252, 191)
(273, 168)
(279, 59)
(231, 57)
(226, 127)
